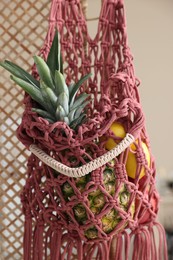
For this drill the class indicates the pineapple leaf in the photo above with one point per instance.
(61, 64)
(76, 87)
(54, 60)
(71, 114)
(75, 123)
(30, 89)
(76, 111)
(53, 98)
(60, 84)
(80, 109)
(48, 96)
(17, 71)
(63, 101)
(66, 120)
(79, 100)
(60, 113)
(70, 87)
(44, 114)
(44, 71)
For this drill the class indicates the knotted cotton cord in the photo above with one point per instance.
(56, 228)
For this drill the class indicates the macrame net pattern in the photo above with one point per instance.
(52, 228)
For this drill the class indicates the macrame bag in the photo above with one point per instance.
(78, 200)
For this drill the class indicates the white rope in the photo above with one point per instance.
(87, 168)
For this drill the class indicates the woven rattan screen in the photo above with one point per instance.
(23, 26)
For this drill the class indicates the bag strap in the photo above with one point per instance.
(86, 168)
(112, 13)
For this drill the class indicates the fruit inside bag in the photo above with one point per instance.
(75, 122)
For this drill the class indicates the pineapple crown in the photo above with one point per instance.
(58, 102)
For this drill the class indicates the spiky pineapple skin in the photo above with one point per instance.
(97, 200)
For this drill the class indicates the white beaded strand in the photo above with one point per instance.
(86, 168)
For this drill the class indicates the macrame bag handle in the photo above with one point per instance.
(57, 19)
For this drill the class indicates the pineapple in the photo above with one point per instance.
(58, 102)
(97, 201)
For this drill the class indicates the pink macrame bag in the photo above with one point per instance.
(51, 229)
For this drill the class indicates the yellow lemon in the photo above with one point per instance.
(119, 131)
(131, 164)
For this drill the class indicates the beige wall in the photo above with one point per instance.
(150, 32)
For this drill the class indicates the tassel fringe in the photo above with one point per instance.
(147, 242)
